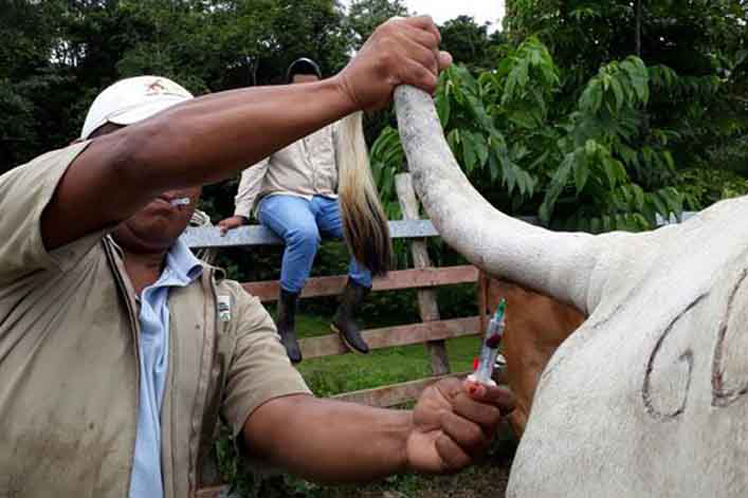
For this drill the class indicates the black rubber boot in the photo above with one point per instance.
(286, 322)
(344, 322)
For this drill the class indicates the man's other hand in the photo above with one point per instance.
(400, 51)
(231, 223)
(454, 422)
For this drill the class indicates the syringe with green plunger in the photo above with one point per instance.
(490, 347)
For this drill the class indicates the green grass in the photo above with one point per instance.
(351, 372)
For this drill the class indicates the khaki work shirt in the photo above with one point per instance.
(69, 359)
(306, 168)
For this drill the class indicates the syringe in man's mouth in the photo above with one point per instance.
(182, 201)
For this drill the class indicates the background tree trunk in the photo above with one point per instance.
(639, 28)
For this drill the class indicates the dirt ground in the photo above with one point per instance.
(488, 479)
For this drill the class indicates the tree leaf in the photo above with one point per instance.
(617, 92)
(673, 199)
(523, 119)
(444, 109)
(660, 206)
(607, 223)
(469, 150)
(510, 178)
(453, 139)
(637, 73)
(558, 182)
(481, 148)
(590, 148)
(592, 97)
(610, 172)
(493, 166)
(638, 196)
(581, 170)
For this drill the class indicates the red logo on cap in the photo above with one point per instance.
(156, 87)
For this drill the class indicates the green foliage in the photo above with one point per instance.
(704, 186)
(470, 43)
(365, 15)
(57, 55)
(602, 155)
(617, 170)
(568, 125)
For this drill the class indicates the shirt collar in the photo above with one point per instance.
(185, 266)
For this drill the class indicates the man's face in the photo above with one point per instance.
(305, 78)
(158, 225)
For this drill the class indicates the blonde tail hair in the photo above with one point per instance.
(364, 222)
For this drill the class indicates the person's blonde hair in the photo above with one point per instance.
(364, 222)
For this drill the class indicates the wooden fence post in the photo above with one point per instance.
(427, 304)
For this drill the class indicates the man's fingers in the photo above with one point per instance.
(425, 23)
(454, 457)
(400, 51)
(468, 435)
(445, 60)
(486, 415)
(420, 39)
(224, 226)
(417, 75)
(500, 397)
(427, 56)
(428, 39)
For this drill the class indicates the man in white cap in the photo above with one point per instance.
(119, 350)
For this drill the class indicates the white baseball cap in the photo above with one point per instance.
(131, 100)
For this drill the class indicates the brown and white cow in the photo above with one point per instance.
(536, 325)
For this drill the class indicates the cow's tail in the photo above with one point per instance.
(364, 222)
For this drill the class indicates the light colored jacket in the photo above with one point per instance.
(69, 359)
(306, 168)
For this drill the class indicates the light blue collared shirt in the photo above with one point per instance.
(181, 268)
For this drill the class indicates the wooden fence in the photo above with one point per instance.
(431, 330)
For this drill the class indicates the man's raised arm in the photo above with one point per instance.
(211, 138)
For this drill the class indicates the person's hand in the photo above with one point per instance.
(400, 51)
(454, 422)
(231, 223)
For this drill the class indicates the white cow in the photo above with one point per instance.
(647, 397)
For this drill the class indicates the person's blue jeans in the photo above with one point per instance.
(301, 224)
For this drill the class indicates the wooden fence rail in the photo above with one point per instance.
(395, 280)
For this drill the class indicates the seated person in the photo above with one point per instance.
(293, 193)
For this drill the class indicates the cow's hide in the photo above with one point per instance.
(647, 398)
